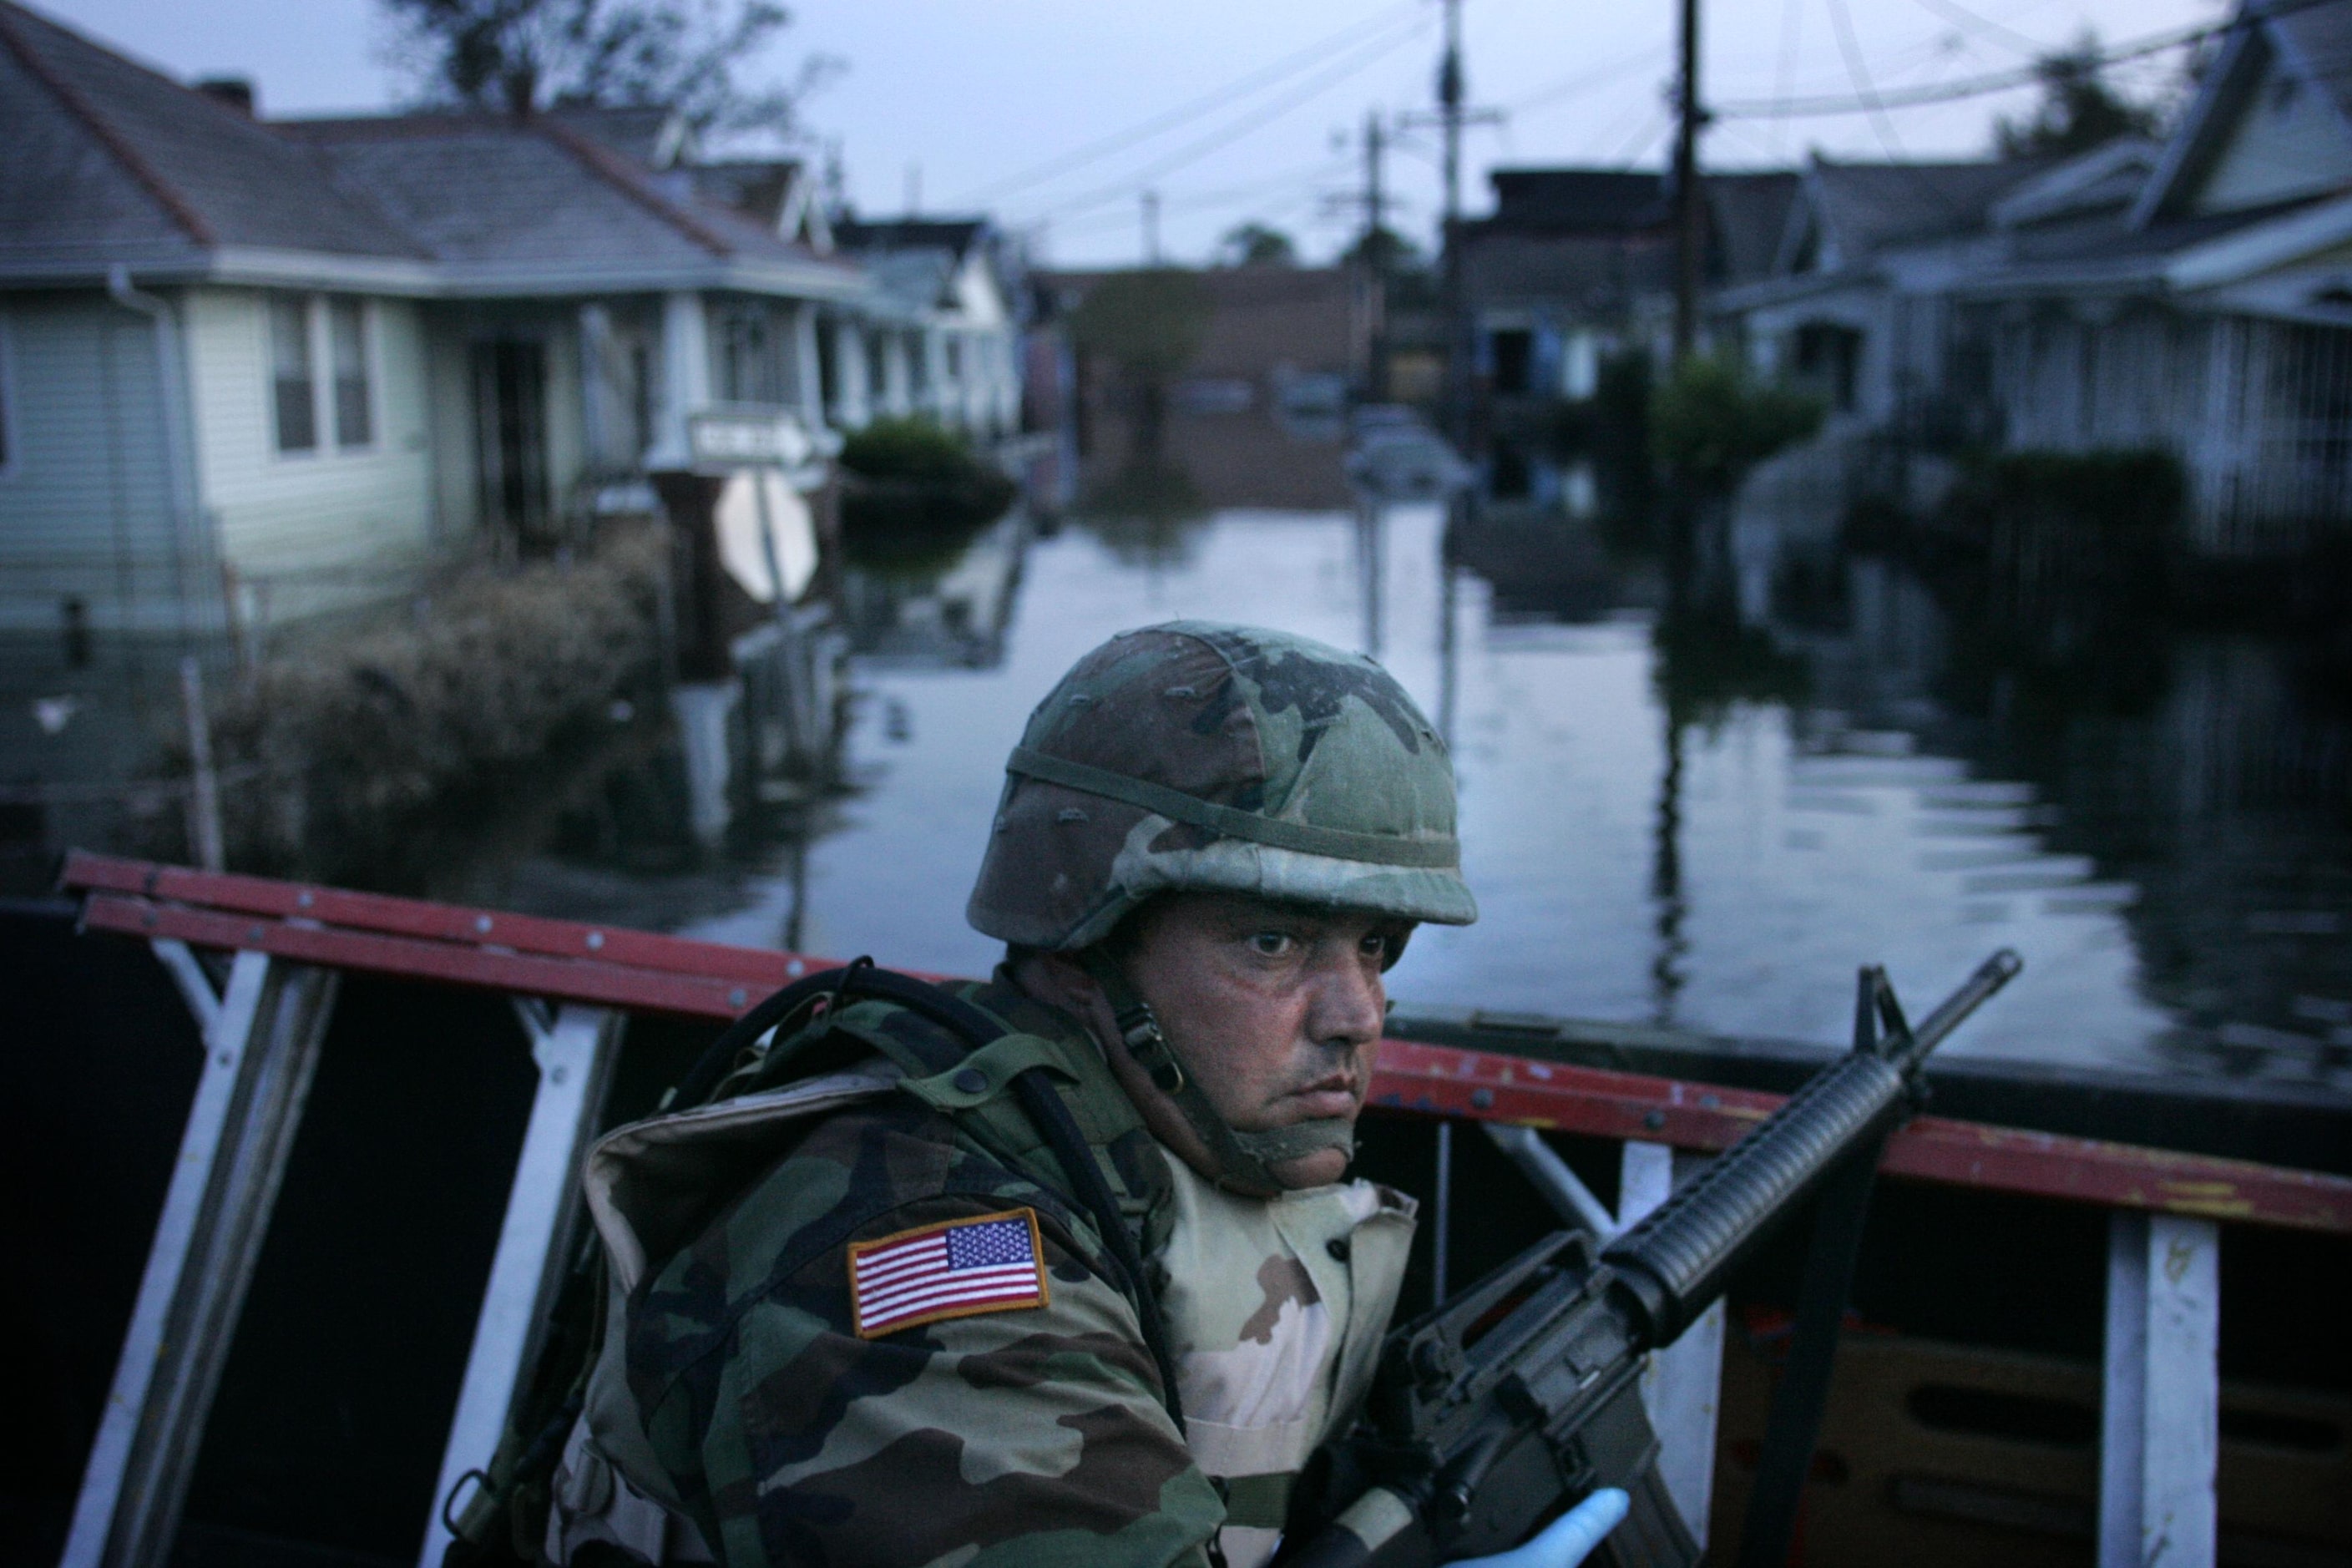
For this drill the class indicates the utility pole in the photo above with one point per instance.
(1452, 118)
(1376, 260)
(1690, 211)
(1151, 228)
(1449, 281)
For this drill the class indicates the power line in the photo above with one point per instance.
(1237, 129)
(1553, 92)
(1792, 28)
(1288, 181)
(1842, 22)
(1982, 27)
(1242, 87)
(1997, 81)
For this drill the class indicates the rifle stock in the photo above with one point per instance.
(1496, 1410)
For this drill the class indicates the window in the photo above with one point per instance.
(293, 380)
(348, 342)
(878, 367)
(1514, 357)
(955, 358)
(751, 360)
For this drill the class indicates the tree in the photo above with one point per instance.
(1148, 323)
(1386, 250)
(523, 55)
(1254, 244)
(2078, 109)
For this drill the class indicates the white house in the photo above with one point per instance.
(942, 336)
(2193, 295)
(258, 371)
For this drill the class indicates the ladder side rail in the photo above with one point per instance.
(576, 1053)
(261, 1045)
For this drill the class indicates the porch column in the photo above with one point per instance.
(809, 383)
(686, 376)
(2159, 1427)
(854, 399)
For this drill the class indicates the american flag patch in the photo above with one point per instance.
(992, 1263)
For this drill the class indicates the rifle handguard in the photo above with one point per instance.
(1674, 1262)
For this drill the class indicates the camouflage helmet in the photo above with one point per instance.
(1197, 757)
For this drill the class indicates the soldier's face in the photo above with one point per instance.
(1275, 1009)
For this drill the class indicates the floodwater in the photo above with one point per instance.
(1706, 829)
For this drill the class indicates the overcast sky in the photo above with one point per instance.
(1234, 109)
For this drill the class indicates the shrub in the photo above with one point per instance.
(1710, 423)
(915, 475)
(364, 744)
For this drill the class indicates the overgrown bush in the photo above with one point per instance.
(914, 474)
(363, 747)
(1710, 423)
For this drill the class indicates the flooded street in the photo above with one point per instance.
(2177, 876)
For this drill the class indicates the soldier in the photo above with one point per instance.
(1062, 1269)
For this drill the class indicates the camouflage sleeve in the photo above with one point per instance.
(1028, 1436)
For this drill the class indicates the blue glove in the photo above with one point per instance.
(1567, 1539)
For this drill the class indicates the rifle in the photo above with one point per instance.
(1502, 1407)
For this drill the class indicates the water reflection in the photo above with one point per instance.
(1704, 814)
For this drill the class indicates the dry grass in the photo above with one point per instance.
(368, 745)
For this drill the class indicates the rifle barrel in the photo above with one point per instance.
(1674, 1261)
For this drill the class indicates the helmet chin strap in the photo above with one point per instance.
(1241, 1159)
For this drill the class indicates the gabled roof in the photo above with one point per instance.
(1865, 207)
(774, 193)
(653, 134)
(108, 161)
(485, 189)
(2311, 40)
(2106, 179)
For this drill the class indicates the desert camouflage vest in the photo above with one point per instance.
(1274, 1310)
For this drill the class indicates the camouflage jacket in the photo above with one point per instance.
(750, 1387)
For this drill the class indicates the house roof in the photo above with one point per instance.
(2105, 180)
(2311, 37)
(1865, 207)
(653, 134)
(2320, 38)
(1747, 215)
(952, 235)
(488, 190)
(111, 162)
(757, 187)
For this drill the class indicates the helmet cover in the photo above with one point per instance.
(1198, 757)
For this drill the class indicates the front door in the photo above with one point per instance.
(511, 412)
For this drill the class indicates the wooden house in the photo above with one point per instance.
(256, 372)
(2192, 295)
